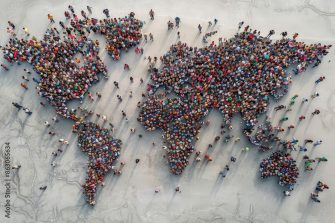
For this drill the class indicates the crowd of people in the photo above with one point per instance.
(68, 63)
(63, 75)
(280, 164)
(102, 150)
(264, 137)
(238, 75)
(122, 33)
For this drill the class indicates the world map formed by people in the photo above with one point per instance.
(238, 75)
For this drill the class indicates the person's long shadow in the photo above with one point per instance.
(308, 124)
(218, 183)
(191, 169)
(307, 210)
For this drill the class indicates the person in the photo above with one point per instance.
(119, 97)
(317, 143)
(70, 7)
(178, 189)
(89, 9)
(27, 71)
(26, 31)
(321, 159)
(240, 24)
(4, 67)
(316, 112)
(320, 186)
(215, 21)
(67, 15)
(308, 141)
(123, 113)
(302, 148)
(104, 118)
(24, 85)
(51, 18)
(11, 24)
(283, 34)
(177, 20)
(287, 193)
(116, 84)
(280, 107)
(17, 167)
(285, 118)
(320, 79)
(17, 105)
(27, 111)
(199, 28)
(290, 127)
(106, 12)
(314, 197)
(223, 173)
(152, 14)
(43, 188)
(295, 35)
(271, 32)
(151, 37)
(316, 94)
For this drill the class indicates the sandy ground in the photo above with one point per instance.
(241, 197)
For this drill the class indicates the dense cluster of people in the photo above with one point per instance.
(264, 137)
(56, 58)
(236, 76)
(102, 150)
(61, 80)
(68, 63)
(175, 118)
(280, 164)
(121, 33)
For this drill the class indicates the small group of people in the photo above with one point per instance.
(204, 38)
(320, 186)
(19, 107)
